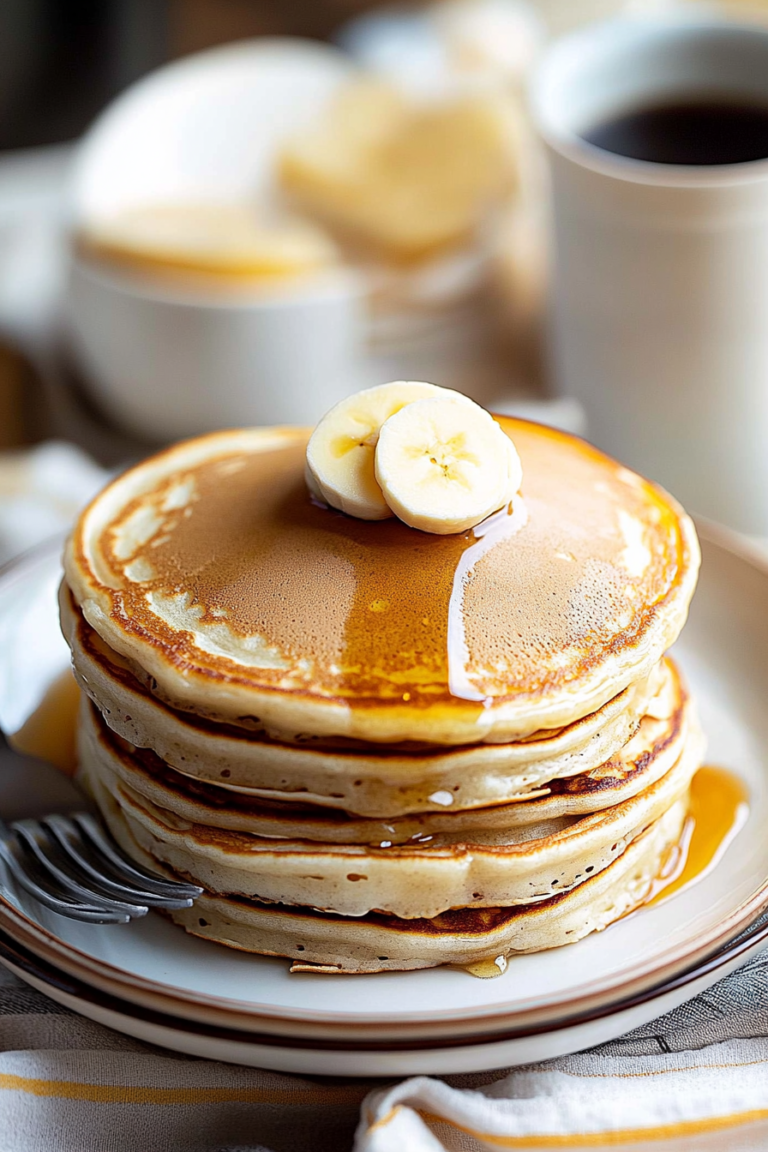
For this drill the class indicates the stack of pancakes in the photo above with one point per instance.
(377, 748)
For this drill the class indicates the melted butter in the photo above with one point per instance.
(49, 732)
(487, 535)
(718, 809)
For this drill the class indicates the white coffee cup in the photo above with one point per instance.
(659, 317)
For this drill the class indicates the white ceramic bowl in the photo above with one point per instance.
(175, 361)
(166, 366)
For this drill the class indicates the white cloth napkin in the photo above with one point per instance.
(716, 1098)
(696, 1079)
(41, 491)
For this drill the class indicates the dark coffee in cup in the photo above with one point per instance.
(699, 130)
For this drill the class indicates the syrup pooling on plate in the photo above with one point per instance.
(719, 807)
(487, 969)
(233, 559)
(48, 732)
(717, 810)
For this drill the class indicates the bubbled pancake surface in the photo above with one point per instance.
(213, 570)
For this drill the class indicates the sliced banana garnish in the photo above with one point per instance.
(341, 450)
(443, 467)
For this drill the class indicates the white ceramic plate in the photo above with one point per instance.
(550, 1002)
(313, 1057)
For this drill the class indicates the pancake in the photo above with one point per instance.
(236, 597)
(377, 748)
(649, 754)
(378, 943)
(517, 866)
(375, 781)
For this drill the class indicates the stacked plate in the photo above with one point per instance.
(153, 981)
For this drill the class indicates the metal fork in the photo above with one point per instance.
(71, 865)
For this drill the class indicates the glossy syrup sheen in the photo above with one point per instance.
(538, 595)
(49, 732)
(719, 806)
(486, 969)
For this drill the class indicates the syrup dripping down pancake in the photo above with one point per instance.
(652, 751)
(212, 571)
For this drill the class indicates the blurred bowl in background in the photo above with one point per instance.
(203, 128)
(474, 314)
(166, 366)
(176, 357)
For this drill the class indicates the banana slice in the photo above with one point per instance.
(340, 453)
(444, 467)
(226, 240)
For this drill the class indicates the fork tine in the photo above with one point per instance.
(71, 866)
(124, 867)
(102, 872)
(52, 860)
(46, 893)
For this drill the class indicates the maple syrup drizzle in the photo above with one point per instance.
(500, 526)
(379, 614)
(49, 733)
(486, 969)
(718, 809)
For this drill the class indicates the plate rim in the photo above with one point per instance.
(44, 970)
(666, 966)
(146, 992)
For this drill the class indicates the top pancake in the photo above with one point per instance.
(214, 572)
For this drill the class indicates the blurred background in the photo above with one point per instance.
(61, 61)
(264, 225)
